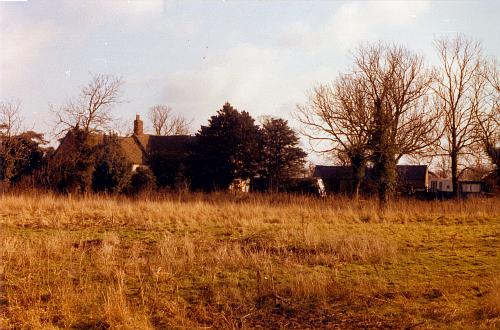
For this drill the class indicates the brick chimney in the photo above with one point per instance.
(138, 125)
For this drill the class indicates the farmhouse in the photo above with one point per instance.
(340, 179)
(138, 147)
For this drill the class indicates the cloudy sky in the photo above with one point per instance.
(262, 56)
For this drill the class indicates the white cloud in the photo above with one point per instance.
(352, 23)
(270, 78)
(23, 43)
(256, 79)
(263, 78)
(360, 21)
(97, 11)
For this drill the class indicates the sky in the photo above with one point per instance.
(261, 56)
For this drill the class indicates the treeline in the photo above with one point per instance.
(390, 104)
(232, 146)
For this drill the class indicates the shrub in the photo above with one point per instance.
(72, 167)
(112, 170)
(169, 171)
(142, 180)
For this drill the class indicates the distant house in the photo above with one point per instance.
(444, 187)
(492, 182)
(468, 187)
(138, 147)
(412, 178)
(340, 179)
(336, 179)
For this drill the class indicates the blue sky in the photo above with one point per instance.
(262, 56)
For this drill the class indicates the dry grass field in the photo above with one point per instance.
(225, 261)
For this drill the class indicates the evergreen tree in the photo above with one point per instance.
(169, 171)
(73, 168)
(142, 180)
(21, 155)
(226, 149)
(282, 158)
(112, 170)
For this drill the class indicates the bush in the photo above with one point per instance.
(20, 156)
(170, 172)
(72, 165)
(143, 180)
(86, 162)
(112, 170)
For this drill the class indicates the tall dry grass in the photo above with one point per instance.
(228, 261)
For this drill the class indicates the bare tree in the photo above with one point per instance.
(459, 96)
(398, 80)
(486, 109)
(10, 123)
(16, 145)
(397, 83)
(441, 165)
(166, 123)
(91, 110)
(337, 120)
(121, 127)
(381, 103)
(10, 119)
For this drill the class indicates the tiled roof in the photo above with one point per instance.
(137, 147)
(173, 145)
(333, 172)
(132, 150)
(406, 172)
(412, 172)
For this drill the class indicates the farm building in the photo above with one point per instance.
(340, 179)
(444, 187)
(411, 179)
(441, 185)
(336, 179)
(492, 182)
(467, 187)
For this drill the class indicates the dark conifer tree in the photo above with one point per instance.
(73, 168)
(282, 158)
(226, 149)
(21, 155)
(143, 180)
(112, 170)
(170, 172)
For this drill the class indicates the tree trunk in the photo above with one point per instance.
(385, 173)
(359, 175)
(384, 155)
(454, 174)
(357, 186)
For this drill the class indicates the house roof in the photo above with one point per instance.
(137, 147)
(334, 172)
(492, 179)
(433, 175)
(490, 176)
(412, 172)
(173, 145)
(132, 150)
(405, 172)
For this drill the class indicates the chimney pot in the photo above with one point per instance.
(138, 125)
